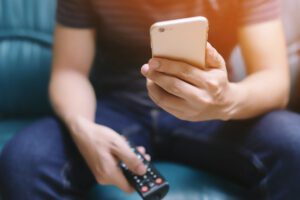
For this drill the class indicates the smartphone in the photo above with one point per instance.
(181, 39)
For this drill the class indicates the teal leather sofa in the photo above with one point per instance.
(26, 28)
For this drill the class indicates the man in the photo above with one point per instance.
(199, 117)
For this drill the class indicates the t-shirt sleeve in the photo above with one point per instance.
(255, 11)
(75, 13)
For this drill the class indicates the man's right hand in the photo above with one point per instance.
(103, 149)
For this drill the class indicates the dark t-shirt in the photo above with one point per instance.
(123, 43)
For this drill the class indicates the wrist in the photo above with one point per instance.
(235, 98)
(79, 125)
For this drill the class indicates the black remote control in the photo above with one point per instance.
(151, 186)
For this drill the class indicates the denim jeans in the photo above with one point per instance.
(262, 154)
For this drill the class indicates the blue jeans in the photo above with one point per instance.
(42, 162)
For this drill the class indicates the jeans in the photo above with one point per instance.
(262, 154)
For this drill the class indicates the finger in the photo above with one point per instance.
(162, 97)
(141, 149)
(148, 157)
(123, 151)
(174, 105)
(166, 101)
(213, 58)
(175, 86)
(115, 176)
(183, 71)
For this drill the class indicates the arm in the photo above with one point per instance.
(267, 85)
(71, 93)
(195, 94)
(74, 101)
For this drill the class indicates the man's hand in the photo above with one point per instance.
(103, 149)
(188, 92)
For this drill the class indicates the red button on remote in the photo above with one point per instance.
(145, 189)
(158, 181)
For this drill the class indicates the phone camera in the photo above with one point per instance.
(161, 30)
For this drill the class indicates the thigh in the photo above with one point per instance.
(244, 151)
(39, 163)
(42, 162)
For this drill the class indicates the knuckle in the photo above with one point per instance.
(186, 71)
(106, 172)
(222, 61)
(213, 84)
(116, 144)
(209, 50)
(149, 85)
(208, 101)
(174, 87)
(219, 97)
(157, 98)
(136, 162)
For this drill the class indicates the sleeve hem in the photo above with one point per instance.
(73, 24)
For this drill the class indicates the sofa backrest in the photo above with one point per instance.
(26, 28)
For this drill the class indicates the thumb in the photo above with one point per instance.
(213, 58)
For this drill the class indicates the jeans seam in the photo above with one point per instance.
(65, 182)
(260, 166)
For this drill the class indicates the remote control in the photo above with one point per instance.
(151, 186)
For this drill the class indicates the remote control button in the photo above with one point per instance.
(145, 177)
(151, 184)
(144, 189)
(158, 181)
(124, 165)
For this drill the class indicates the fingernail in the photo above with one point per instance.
(154, 64)
(145, 69)
(141, 170)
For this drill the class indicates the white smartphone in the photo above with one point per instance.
(182, 40)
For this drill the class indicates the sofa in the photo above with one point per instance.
(26, 35)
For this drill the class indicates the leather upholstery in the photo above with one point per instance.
(26, 28)
(185, 184)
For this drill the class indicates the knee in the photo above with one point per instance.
(281, 131)
(25, 153)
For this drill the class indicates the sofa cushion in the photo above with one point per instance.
(26, 29)
(185, 184)
(8, 128)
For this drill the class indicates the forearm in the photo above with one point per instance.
(259, 93)
(72, 97)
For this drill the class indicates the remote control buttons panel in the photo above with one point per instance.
(150, 186)
(148, 181)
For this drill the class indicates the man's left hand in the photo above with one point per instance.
(188, 92)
